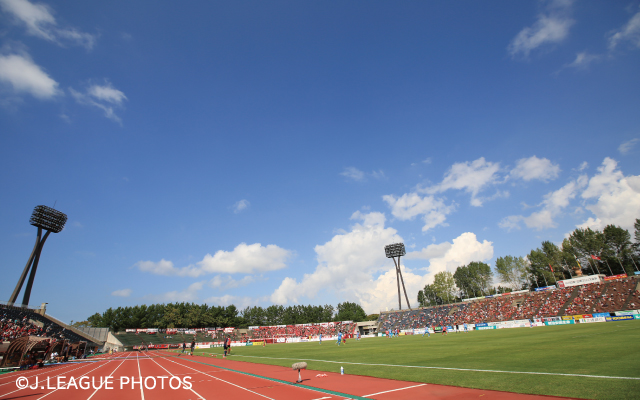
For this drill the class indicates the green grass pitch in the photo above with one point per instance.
(609, 349)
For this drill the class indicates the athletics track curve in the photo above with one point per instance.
(216, 378)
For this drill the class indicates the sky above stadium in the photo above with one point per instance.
(258, 153)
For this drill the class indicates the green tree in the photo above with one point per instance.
(444, 285)
(474, 279)
(428, 297)
(513, 272)
(348, 311)
(618, 250)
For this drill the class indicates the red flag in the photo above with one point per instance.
(595, 257)
(550, 267)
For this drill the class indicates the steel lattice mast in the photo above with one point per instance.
(393, 251)
(50, 220)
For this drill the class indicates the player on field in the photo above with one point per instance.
(339, 338)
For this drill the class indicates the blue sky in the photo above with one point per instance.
(261, 153)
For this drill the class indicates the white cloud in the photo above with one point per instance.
(612, 197)
(535, 168)
(25, 76)
(469, 176)
(551, 26)
(410, 205)
(353, 173)
(122, 293)
(346, 263)
(629, 32)
(357, 175)
(583, 166)
(240, 205)
(41, 23)
(104, 97)
(353, 266)
(552, 206)
(449, 256)
(583, 60)
(227, 282)
(187, 295)
(627, 146)
(244, 259)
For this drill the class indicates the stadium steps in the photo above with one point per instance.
(598, 299)
(73, 329)
(630, 297)
(537, 310)
(574, 294)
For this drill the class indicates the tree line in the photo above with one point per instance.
(584, 252)
(190, 315)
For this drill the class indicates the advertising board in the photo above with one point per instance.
(613, 277)
(583, 280)
(620, 318)
(566, 322)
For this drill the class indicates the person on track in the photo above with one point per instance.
(193, 345)
(184, 346)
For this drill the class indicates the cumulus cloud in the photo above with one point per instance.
(346, 263)
(469, 176)
(227, 282)
(244, 259)
(406, 207)
(40, 22)
(187, 295)
(535, 168)
(627, 146)
(612, 197)
(105, 97)
(24, 76)
(122, 293)
(551, 26)
(240, 206)
(630, 32)
(552, 206)
(353, 265)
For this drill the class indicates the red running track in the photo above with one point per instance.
(162, 375)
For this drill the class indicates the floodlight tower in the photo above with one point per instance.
(393, 251)
(51, 220)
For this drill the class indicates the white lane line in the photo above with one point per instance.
(394, 390)
(140, 375)
(197, 394)
(41, 373)
(322, 398)
(111, 374)
(221, 380)
(451, 369)
(86, 373)
(5, 394)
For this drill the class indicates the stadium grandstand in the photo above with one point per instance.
(608, 296)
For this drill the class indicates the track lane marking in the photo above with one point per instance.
(451, 369)
(197, 394)
(111, 374)
(221, 380)
(140, 375)
(395, 390)
(99, 366)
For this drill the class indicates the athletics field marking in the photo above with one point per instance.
(452, 369)
(394, 390)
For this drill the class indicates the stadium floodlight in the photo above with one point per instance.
(393, 251)
(47, 218)
(50, 220)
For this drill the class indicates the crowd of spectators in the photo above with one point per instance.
(603, 297)
(616, 295)
(588, 296)
(311, 330)
(18, 322)
(12, 327)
